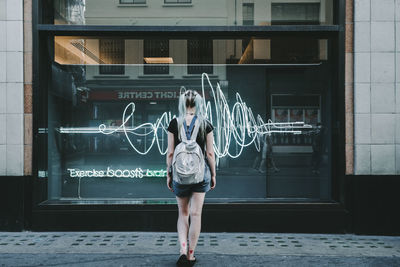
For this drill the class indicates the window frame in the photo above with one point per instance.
(247, 5)
(289, 22)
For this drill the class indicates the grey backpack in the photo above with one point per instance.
(188, 160)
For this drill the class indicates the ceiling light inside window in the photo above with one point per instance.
(158, 60)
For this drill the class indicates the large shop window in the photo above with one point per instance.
(270, 104)
(193, 13)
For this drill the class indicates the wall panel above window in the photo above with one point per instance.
(192, 12)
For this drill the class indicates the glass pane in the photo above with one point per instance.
(192, 12)
(295, 13)
(111, 99)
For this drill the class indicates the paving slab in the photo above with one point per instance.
(212, 260)
(213, 249)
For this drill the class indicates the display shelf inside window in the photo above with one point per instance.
(292, 108)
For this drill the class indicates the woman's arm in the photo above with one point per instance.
(211, 157)
(170, 155)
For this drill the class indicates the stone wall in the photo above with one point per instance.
(11, 88)
(376, 87)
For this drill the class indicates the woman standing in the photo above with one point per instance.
(190, 197)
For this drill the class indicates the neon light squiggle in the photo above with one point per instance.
(239, 125)
(161, 123)
(236, 126)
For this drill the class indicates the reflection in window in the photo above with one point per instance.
(69, 12)
(292, 108)
(295, 13)
(112, 51)
(177, 1)
(155, 52)
(295, 49)
(158, 54)
(200, 52)
(248, 14)
(202, 13)
(132, 1)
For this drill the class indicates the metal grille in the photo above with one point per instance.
(200, 52)
(112, 51)
(156, 48)
(132, 1)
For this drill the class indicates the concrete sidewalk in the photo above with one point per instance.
(213, 249)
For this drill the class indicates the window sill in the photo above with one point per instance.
(277, 202)
(107, 76)
(132, 5)
(211, 76)
(178, 5)
(152, 76)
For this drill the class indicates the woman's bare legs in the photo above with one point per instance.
(183, 222)
(196, 206)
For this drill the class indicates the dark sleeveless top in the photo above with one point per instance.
(201, 140)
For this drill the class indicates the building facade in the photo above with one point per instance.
(306, 120)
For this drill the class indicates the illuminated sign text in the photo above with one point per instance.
(118, 173)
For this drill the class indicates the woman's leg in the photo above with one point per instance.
(196, 206)
(263, 158)
(183, 222)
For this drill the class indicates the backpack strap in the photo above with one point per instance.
(185, 132)
(182, 135)
(190, 130)
(195, 130)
